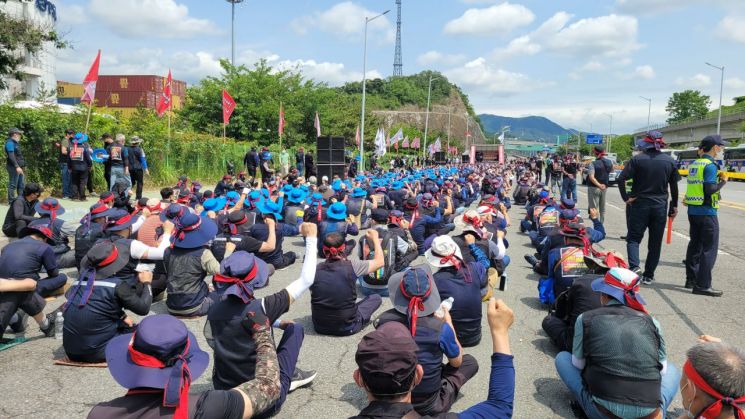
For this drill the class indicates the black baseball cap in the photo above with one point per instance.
(387, 359)
(712, 140)
(379, 215)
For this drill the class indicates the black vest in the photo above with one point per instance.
(621, 346)
(234, 346)
(59, 242)
(84, 241)
(333, 296)
(186, 286)
(603, 167)
(429, 355)
(89, 328)
(135, 153)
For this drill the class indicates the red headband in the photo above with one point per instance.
(109, 198)
(100, 209)
(52, 210)
(180, 375)
(335, 252)
(416, 303)
(714, 409)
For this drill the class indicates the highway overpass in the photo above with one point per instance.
(691, 132)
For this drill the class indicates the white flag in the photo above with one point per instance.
(380, 143)
(398, 137)
(501, 138)
(438, 145)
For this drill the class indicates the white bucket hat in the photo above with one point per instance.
(441, 253)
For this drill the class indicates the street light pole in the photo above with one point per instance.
(721, 90)
(426, 118)
(364, 83)
(649, 111)
(232, 29)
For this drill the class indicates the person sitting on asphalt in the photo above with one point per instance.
(17, 301)
(533, 210)
(293, 209)
(398, 194)
(25, 258)
(315, 208)
(547, 221)
(237, 350)
(618, 365)
(269, 210)
(94, 311)
(334, 307)
(465, 282)
(48, 211)
(188, 262)
(577, 299)
(22, 210)
(335, 222)
(393, 222)
(357, 206)
(415, 299)
(159, 362)
(389, 370)
(712, 385)
(91, 230)
(418, 222)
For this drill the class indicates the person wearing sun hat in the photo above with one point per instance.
(336, 222)
(270, 210)
(159, 362)
(49, 211)
(357, 206)
(94, 311)
(415, 299)
(418, 222)
(398, 194)
(188, 262)
(466, 282)
(315, 209)
(236, 350)
(606, 379)
(294, 209)
(91, 230)
(235, 235)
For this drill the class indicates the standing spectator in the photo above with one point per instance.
(556, 169)
(309, 166)
(702, 198)
(119, 158)
(14, 163)
(598, 176)
(22, 211)
(569, 184)
(284, 162)
(251, 161)
(107, 141)
(137, 165)
(653, 174)
(64, 149)
(79, 163)
(300, 161)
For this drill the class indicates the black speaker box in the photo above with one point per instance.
(330, 143)
(330, 170)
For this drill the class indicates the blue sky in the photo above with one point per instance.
(574, 61)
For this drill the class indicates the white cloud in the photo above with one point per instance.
(489, 79)
(345, 19)
(593, 66)
(697, 81)
(732, 28)
(734, 83)
(645, 72)
(499, 19)
(334, 74)
(70, 15)
(151, 19)
(653, 7)
(613, 36)
(436, 57)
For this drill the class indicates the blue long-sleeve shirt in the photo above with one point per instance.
(479, 255)
(419, 227)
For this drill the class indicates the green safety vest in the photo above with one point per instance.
(695, 189)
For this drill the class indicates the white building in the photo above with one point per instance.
(38, 68)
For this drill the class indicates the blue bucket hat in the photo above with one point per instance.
(253, 199)
(296, 196)
(359, 193)
(120, 220)
(336, 185)
(214, 204)
(316, 198)
(397, 185)
(50, 207)
(80, 138)
(233, 197)
(193, 231)
(173, 213)
(269, 207)
(287, 188)
(241, 273)
(337, 211)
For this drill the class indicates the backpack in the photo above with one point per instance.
(388, 243)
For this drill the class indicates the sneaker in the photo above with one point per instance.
(638, 271)
(301, 378)
(647, 280)
(689, 284)
(19, 326)
(711, 292)
(531, 260)
(49, 330)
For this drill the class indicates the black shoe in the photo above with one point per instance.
(623, 237)
(49, 330)
(689, 284)
(710, 292)
(647, 280)
(19, 326)
(577, 410)
(301, 378)
(531, 260)
(638, 271)
(537, 255)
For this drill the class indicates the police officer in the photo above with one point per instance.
(702, 198)
(653, 173)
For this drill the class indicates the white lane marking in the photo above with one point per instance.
(607, 204)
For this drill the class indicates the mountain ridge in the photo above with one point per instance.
(526, 128)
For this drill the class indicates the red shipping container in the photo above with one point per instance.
(125, 99)
(129, 83)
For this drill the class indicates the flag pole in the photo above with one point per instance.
(88, 118)
(281, 117)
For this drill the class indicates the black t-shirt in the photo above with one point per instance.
(248, 244)
(226, 404)
(276, 305)
(556, 168)
(571, 168)
(652, 173)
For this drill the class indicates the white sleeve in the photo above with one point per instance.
(308, 273)
(136, 226)
(140, 250)
(502, 249)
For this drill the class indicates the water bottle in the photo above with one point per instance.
(58, 326)
(445, 305)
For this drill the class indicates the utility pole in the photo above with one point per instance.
(721, 90)
(649, 111)
(364, 83)
(232, 29)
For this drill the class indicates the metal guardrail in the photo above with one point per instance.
(686, 121)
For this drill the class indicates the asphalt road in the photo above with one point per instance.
(33, 387)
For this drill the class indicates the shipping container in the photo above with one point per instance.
(125, 99)
(117, 112)
(178, 102)
(129, 83)
(65, 89)
(68, 100)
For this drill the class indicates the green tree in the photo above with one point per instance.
(687, 104)
(19, 37)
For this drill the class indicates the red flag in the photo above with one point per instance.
(357, 136)
(89, 83)
(281, 120)
(228, 105)
(317, 125)
(165, 99)
(406, 142)
(395, 145)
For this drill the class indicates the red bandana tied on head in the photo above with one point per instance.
(714, 409)
(335, 252)
(176, 391)
(629, 291)
(245, 293)
(416, 303)
(52, 210)
(180, 232)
